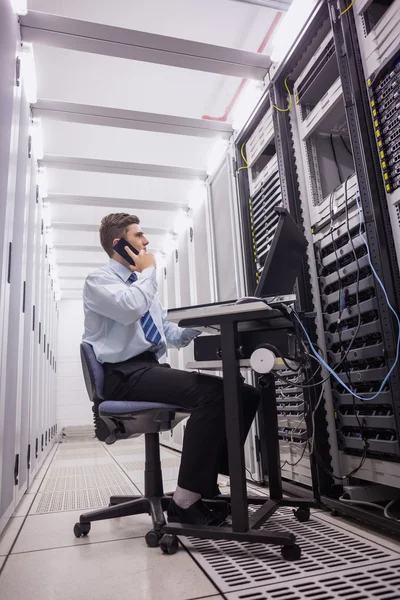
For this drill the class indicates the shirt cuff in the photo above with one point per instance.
(192, 333)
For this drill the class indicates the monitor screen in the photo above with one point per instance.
(283, 262)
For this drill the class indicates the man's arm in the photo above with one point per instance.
(114, 299)
(177, 337)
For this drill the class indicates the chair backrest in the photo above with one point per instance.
(93, 373)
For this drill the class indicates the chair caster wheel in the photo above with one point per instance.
(169, 544)
(302, 514)
(334, 513)
(153, 539)
(291, 553)
(81, 529)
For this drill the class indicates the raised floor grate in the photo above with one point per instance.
(59, 501)
(82, 482)
(76, 454)
(70, 445)
(75, 470)
(325, 550)
(126, 451)
(138, 465)
(379, 582)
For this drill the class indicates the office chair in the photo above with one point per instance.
(120, 420)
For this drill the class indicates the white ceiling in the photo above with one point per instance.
(84, 78)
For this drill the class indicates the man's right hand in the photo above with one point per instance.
(143, 260)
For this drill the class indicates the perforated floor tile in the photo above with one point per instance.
(380, 582)
(126, 451)
(79, 453)
(55, 472)
(325, 550)
(59, 501)
(138, 465)
(78, 444)
(82, 482)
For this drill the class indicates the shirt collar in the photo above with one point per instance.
(120, 269)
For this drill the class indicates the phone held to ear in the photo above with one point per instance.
(120, 249)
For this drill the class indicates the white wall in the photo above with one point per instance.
(73, 404)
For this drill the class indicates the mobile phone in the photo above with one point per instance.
(120, 249)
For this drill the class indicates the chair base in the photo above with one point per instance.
(153, 502)
(121, 506)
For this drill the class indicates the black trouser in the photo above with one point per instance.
(204, 452)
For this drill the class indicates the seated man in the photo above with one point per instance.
(128, 330)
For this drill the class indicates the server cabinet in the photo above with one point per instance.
(333, 184)
(9, 135)
(17, 406)
(371, 137)
(28, 466)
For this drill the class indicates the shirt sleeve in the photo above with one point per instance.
(114, 299)
(177, 337)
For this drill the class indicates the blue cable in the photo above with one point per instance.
(319, 357)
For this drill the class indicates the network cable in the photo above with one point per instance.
(321, 359)
(347, 9)
(246, 164)
(290, 99)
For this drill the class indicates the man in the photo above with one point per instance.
(129, 332)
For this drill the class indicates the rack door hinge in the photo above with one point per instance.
(9, 262)
(234, 166)
(18, 71)
(23, 296)
(16, 469)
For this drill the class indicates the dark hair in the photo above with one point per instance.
(115, 226)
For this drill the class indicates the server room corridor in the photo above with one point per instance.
(41, 558)
(249, 152)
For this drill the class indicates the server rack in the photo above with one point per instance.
(328, 159)
(260, 191)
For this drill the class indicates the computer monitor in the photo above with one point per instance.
(284, 258)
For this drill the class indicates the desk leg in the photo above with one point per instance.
(269, 415)
(234, 428)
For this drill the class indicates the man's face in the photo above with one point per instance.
(135, 237)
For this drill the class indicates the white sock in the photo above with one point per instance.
(184, 498)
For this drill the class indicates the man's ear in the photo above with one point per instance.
(115, 241)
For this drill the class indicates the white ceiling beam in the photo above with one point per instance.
(86, 248)
(118, 202)
(72, 277)
(282, 5)
(129, 119)
(77, 248)
(96, 38)
(95, 165)
(89, 265)
(63, 226)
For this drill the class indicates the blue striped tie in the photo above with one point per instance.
(150, 330)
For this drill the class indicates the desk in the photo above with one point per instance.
(243, 528)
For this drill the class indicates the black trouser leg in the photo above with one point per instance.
(250, 402)
(203, 446)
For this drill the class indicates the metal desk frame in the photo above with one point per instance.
(245, 528)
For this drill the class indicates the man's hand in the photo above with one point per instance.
(143, 260)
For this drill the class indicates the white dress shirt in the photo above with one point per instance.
(113, 307)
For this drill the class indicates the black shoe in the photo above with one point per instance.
(197, 514)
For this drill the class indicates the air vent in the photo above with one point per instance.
(369, 583)
(326, 549)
